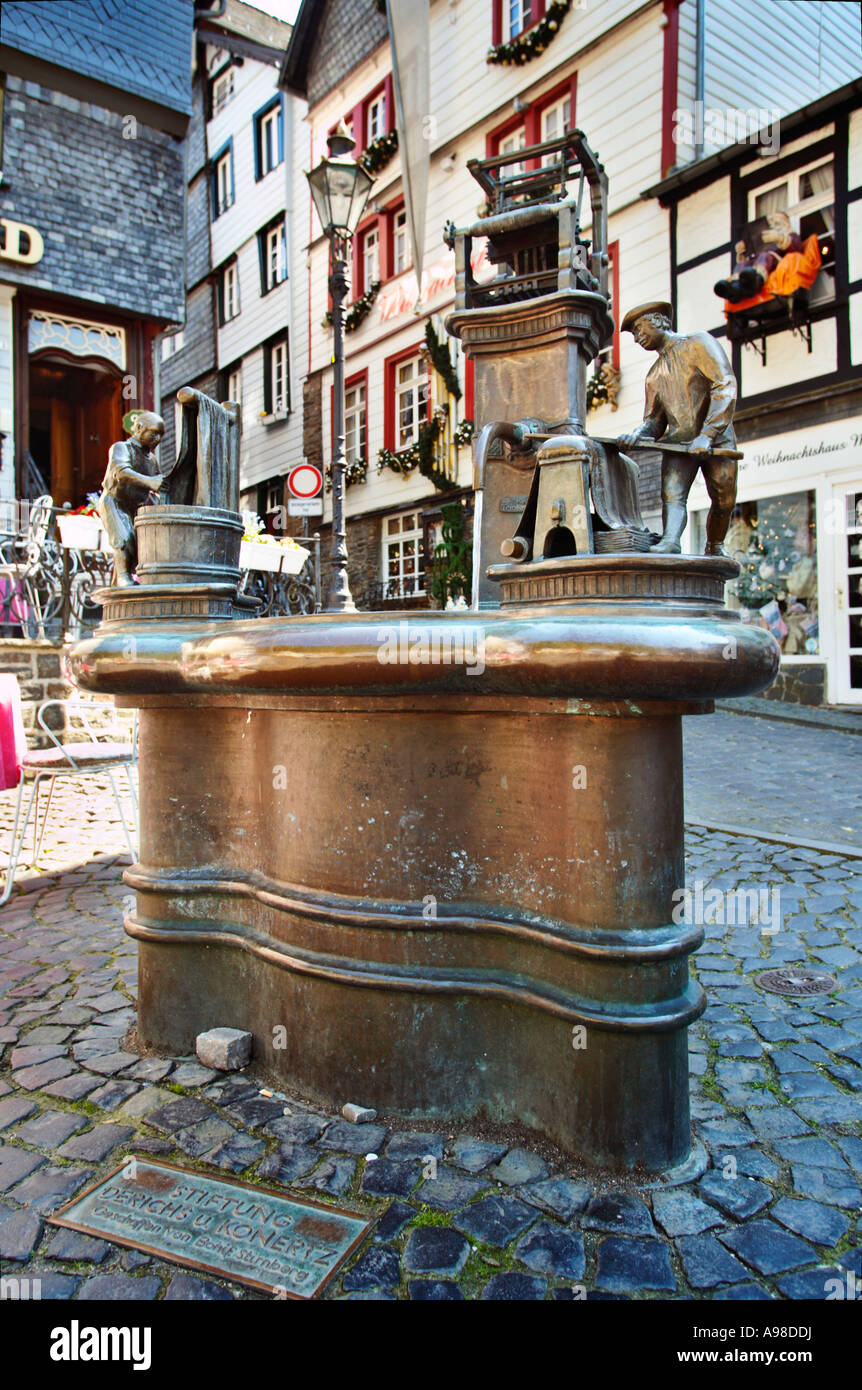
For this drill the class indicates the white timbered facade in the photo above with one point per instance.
(660, 89)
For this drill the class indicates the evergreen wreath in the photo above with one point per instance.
(597, 392)
(464, 433)
(419, 455)
(534, 41)
(359, 309)
(356, 471)
(378, 154)
(442, 362)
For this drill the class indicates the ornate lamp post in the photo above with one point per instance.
(340, 188)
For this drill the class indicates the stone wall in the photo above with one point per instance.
(39, 668)
(799, 685)
(363, 556)
(649, 487)
(312, 421)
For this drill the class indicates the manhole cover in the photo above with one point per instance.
(799, 982)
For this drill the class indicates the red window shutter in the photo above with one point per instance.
(496, 21)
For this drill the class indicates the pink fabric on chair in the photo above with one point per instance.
(12, 742)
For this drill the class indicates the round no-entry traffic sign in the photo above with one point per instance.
(304, 480)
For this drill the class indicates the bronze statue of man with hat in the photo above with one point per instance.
(690, 398)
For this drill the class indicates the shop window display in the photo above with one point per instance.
(775, 543)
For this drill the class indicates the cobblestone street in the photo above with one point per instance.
(775, 1086)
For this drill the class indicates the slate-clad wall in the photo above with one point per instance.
(198, 202)
(350, 30)
(139, 46)
(109, 207)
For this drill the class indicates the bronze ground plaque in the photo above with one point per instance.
(233, 1229)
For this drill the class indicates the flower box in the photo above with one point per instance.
(294, 557)
(80, 531)
(253, 555)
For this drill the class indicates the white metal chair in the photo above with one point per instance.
(87, 756)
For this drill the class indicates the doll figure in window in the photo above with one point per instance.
(774, 262)
(754, 266)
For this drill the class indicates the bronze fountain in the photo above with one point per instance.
(444, 886)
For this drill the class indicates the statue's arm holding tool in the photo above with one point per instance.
(654, 421)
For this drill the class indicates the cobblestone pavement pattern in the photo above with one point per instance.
(792, 780)
(775, 1100)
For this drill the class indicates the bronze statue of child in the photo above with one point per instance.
(132, 480)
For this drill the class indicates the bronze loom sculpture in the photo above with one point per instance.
(429, 859)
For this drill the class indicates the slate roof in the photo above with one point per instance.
(140, 46)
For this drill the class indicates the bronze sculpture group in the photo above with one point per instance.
(688, 416)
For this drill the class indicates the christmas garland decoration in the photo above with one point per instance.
(356, 471)
(597, 392)
(359, 309)
(451, 571)
(379, 152)
(419, 455)
(534, 41)
(442, 362)
(464, 433)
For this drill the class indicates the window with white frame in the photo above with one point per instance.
(229, 292)
(224, 182)
(411, 401)
(234, 385)
(377, 117)
(172, 344)
(807, 195)
(556, 119)
(518, 16)
(400, 246)
(274, 256)
(403, 555)
(274, 495)
(516, 140)
(354, 421)
(370, 258)
(268, 140)
(276, 383)
(222, 90)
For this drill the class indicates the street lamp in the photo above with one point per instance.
(339, 188)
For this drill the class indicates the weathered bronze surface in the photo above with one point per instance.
(187, 548)
(531, 333)
(364, 864)
(233, 1229)
(690, 399)
(429, 859)
(206, 473)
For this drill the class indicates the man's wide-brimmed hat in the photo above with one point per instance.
(658, 306)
